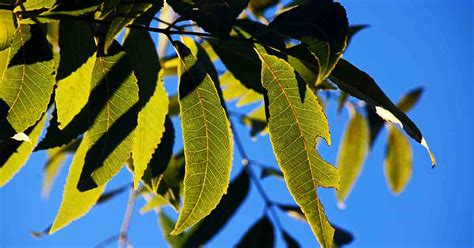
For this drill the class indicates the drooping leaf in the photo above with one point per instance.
(75, 203)
(320, 25)
(290, 241)
(266, 172)
(77, 58)
(7, 28)
(398, 165)
(295, 122)
(352, 153)
(207, 141)
(125, 13)
(405, 104)
(113, 110)
(261, 234)
(14, 153)
(204, 231)
(27, 82)
(215, 16)
(56, 159)
(359, 84)
(153, 99)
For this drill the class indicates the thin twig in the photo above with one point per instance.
(127, 219)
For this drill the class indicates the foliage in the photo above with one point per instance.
(108, 108)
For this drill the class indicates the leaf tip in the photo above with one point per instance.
(21, 137)
(432, 157)
(341, 205)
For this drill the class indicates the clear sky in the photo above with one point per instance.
(410, 43)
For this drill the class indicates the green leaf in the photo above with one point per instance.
(352, 153)
(359, 84)
(234, 90)
(153, 99)
(215, 16)
(30, 5)
(125, 13)
(257, 121)
(75, 203)
(56, 159)
(259, 6)
(322, 26)
(154, 203)
(27, 82)
(167, 225)
(398, 163)
(261, 234)
(7, 27)
(113, 110)
(173, 106)
(295, 122)
(290, 241)
(77, 58)
(266, 172)
(207, 141)
(14, 153)
(72, 8)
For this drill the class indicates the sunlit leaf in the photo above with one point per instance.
(359, 84)
(398, 164)
(7, 28)
(207, 141)
(295, 122)
(77, 58)
(156, 202)
(153, 99)
(261, 234)
(234, 90)
(14, 154)
(352, 153)
(27, 82)
(112, 116)
(75, 203)
(30, 5)
(56, 159)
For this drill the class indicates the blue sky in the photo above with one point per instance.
(409, 43)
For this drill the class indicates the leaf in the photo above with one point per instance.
(261, 234)
(173, 106)
(170, 183)
(295, 122)
(125, 13)
(352, 153)
(204, 231)
(56, 159)
(153, 99)
(320, 25)
(257, 121)
(259, 6)
(359, 84)
(7, 27)
(266, 172)
(77, 58)
(14, 154)
(215, 16)
(167, 225)
(353, 30)
(398, 165)
(75, 203)
(406, 103)
(234, 90)
(27, 82)
(341, 236)
(290, 241)
(156, 202)
(72, 8)
(207, 141)
(30, 5)
(113, 109)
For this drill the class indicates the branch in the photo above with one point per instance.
(126, 219)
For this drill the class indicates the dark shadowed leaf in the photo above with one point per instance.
(7, 25)
(215, 16)
(266, 172)
(261, 234)
(359, 84)
(290, 241)
(353, 30)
